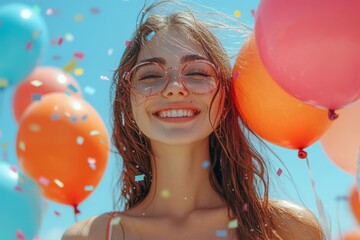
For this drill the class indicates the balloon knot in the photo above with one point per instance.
(76, 210)
(302, 154)
(332, 115)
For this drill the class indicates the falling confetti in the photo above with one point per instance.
(55, 116)
(165, 193)
(245, 207)
(70, 66)
(206, 164)
(236, 75)
(110, 51)
(28, 45)
(279, 171)
(89, 90)
(139, 178)
(72, 88)
(95, 10)
(104, 78)
(92, 163)
(59, 183)
(44, 181)
(253, 13)
(69, 37)
(150, 35)
(237, 13)
(94, 132)
(36, 83)
(19, 235)
(79, 140)
(22, 146)
(60, 41)
(18, 188)
(50, 11)
(35, 97)
(14, 168)
(79, 71)
(79, 55)
(221, 233)
(57, 213)
(233, 224)
(4, 82)
(128, 43)
(89, 188)
(84, 117)
(78, 18)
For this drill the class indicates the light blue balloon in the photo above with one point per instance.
(18, 209)
(23, 38)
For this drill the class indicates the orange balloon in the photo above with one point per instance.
(62, 143)
(354, 203)
(341, 142)
(268, 110)
(41, 81)
(352, 235)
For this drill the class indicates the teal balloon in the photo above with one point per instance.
(20, 210)
(23, 39)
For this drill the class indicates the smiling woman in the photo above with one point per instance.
(189, 171)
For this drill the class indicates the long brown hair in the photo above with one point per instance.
(238, 173)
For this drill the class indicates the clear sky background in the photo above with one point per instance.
(101, 36)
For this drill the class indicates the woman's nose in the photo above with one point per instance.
(175, 86)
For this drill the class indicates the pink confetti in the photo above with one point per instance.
(253, 13)
(28, 45)
(279, 171)
(236, 75)
(245, 207)
(36, 238)
(18, 188)
(57, 213)
(44, 181)
(20, 235)
(14, 168)
(104, 78)
(128, 43)
(79, 55)
(60, 41)
(50, 11)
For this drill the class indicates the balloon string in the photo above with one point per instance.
(76, 212)
(332, 115)
(319, 204)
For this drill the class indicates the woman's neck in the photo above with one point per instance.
(180, 181)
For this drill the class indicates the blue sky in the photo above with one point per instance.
(105, 32)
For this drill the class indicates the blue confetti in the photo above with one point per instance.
(73, 119)
(36, 97)
(150, 36)
(139, 178)
(206, 164)
(72, 88)
(221, 233)
(84, 117)
(55, 116)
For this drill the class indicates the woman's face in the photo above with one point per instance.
(159, 116)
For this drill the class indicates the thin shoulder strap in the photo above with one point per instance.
(109, 226)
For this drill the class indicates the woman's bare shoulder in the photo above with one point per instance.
(295, 222)
(92, 228)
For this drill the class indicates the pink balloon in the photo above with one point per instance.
(41, 81)
(311, 48)
(341, 142)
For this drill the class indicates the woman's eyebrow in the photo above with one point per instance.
(183, 59)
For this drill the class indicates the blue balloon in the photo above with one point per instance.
(23, 39)
(19, 209)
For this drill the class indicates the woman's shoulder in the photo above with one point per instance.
(294, 221)
(92, 228)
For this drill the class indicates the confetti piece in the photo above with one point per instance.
(57, 213)
(19, 235)
(44, 181)
(35, 97)
(128, 43)
(79, 71)
(122, 119)
(18, 188)
(59, 183)
(28, 45)
(342, 198)
(237, 13)
(84, 117)
(22, 146)
(205, 164)
(50, 11)
(72, 88)
(165, 193)
(79, 55)
(92, 163)
(104, 78)
(221, 233)
(89, 188)
(14, 168)
(89, 90)
(110, 51)
(95, 10)
(55, 116)
(70, 66)
(233, 224)
(115, 221)
(4, 82)
(279, 171)
(94, 132)
(79, 18)
(150, 35)
(253, 13)
(36, 83)
(245, 207)
(79, 140)
(236, 75)
(69, 37)
(34, 127)
(139, 178)
(56, 57)
(60, 41)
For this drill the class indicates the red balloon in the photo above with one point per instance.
(354, 203)
(41, 81)
(62, 143)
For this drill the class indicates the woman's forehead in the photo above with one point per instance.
(170, 45)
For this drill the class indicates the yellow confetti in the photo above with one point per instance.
(94, 133)
(79, 18)
(233, 223)
(34, 128)
(165, 193)
(4, 82)
(22, 146)
(237, 13)
(70, 66)
(78, 71)
(36, 83)
(59, 183)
